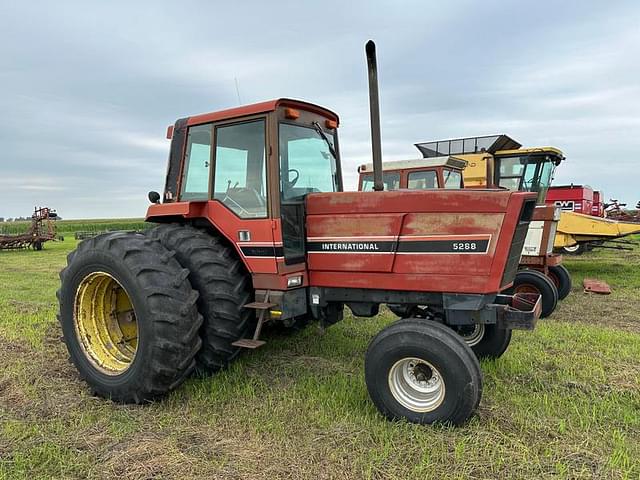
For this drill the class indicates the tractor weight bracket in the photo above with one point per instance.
(519, 311)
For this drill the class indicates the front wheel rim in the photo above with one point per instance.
(472, 334)
(416, 384)
(105, 323)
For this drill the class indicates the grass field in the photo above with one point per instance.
(65, 227)
(563, 402)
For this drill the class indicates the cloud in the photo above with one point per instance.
(87, 89)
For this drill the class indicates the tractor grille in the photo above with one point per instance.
(517, 244)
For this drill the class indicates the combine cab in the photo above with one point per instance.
(254, 227)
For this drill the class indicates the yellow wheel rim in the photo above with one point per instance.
(105, 323)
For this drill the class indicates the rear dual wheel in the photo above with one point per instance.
(224, 287)
(422, 371)
(128, 316)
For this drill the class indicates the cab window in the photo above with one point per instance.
(510, 172)
(195, 181)
(452, 179)
(307, 164)
(422, 180)
(240, 171)
(391, 181)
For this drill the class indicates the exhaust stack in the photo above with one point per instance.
(374, 109)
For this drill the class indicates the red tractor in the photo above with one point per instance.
(254, 227)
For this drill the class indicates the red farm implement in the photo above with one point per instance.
(41, 230)
(616, 211)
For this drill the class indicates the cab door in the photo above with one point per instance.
(307, 165)
(239, 191)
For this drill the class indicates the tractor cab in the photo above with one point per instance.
(250, 168)
(420, 174)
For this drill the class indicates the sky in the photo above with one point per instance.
(88, 88)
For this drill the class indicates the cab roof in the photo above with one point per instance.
(499, 144)
(551, 150)
(262, 107)
(462, 146)
(444, 161)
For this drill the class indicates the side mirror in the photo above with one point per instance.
(154, 197)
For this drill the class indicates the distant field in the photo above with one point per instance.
(71, 226)
(563, 402)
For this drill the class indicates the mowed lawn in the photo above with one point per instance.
(563, 402)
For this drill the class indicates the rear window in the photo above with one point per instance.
(422, 180)
(391, 181)
(195, 181)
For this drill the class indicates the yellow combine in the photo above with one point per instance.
(576, 230)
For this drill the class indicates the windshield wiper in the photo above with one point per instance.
(318, 129)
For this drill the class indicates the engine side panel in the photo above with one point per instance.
(438, 240)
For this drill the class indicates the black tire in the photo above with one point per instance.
(577, 249)
(164, 308)
(37, 246)
(444, 350)
(535, 282)
(224, 286)
(486, 340)
(561, 278)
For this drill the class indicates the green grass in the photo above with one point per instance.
(563, 402)
(70, 226)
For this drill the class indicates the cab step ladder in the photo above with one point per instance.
(263, 308)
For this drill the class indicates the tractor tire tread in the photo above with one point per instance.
(224, 286)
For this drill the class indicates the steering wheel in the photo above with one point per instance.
(291, 183)
(241, 199)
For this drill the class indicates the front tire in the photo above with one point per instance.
(532, 281)
(422, 371)
(561, 278)
(128, 317)
(224, 286)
